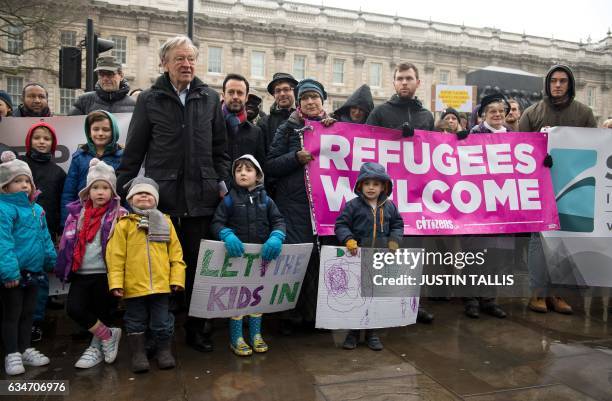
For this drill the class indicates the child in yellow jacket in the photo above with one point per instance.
(145, 263)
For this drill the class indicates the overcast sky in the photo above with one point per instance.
(565, 20)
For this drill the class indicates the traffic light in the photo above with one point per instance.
(94, 47)
(70, 60)
(70, 67)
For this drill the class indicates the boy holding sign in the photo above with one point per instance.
(371, 219)
(247, 214)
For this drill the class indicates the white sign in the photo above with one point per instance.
(226, 287)
(341, 303)
(70, 132)
(459, 97)
(56, 287)
(580, 252)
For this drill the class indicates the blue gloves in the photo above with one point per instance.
(232, 243)
(272, 247)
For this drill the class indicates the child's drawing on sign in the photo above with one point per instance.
(343, 283)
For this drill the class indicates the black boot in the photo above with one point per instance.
(424, 317)
(197, 335)
(140, 363)
(351, 340)
(165, 360)
(373, 341)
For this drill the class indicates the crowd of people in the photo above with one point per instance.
(114, 233)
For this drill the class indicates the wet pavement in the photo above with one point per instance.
(527, 356)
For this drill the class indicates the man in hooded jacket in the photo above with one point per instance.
(557, 108)
(357, 107)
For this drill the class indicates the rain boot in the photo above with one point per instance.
(165, 360)
(237, 343)
(257, 341)
(140, 363)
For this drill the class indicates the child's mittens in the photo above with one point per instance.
(392, 245)
(233, 245)
(352, 246)
(272, 247)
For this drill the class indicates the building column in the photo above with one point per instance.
(142, 41)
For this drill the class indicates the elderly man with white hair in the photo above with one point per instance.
(179, 132)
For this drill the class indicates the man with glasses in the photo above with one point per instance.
(110, 93)
(178, 130)
(281, 87)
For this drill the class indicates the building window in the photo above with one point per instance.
(338, 71)
(68, 38)
(336, 104)
(67, 98)
(15, 39)
(14, 87)
(299, 67)
(444, 77)
(590, 100)
(119, 50)
(215, 59)
(258, 60)
(375, 74)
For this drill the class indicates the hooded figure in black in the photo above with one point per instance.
(360, 99)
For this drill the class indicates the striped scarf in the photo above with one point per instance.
(233, 120)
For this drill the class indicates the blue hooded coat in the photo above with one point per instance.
(370, 226)
(79, 166)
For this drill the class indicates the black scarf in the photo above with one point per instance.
(40, 157)
(25, 112)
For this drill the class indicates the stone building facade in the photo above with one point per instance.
(341, 48)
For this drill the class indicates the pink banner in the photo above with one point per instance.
(484, 184)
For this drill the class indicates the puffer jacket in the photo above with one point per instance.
(291, 196)
(141, 267)
(183, 147)
(251, 215)
(396, 111)
(63, 266)
(361, 98)
(25, 243)
(366, 225)
(545, 114)
(99, 99)
(79, 165)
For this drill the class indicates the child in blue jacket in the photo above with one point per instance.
(248, 215)
(372, 220)
(27, 252)
(102, 133)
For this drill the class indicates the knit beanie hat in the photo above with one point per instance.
(99, 171)
(6, 98)
(144, 184)
(449, 110)
(11, 168)
(310, 85)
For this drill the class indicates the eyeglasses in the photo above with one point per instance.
(287, 89)
(180, 60)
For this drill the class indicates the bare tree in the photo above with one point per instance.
(31, 30)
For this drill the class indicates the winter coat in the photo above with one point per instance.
(545, 113)
(49, 179)
(396, 111)
(248, 140)
(185, 147)
(99, 99)
(368, 226)
(79, 165)
(270, 123)
(141, 267)
(25, 243)
(22, 111)
(361, 98)
(482, 129)
(291, 196)
(63, 266)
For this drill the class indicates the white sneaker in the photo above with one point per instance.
(90, 358)
(33, 357)
(110, 347)
(13, 364)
